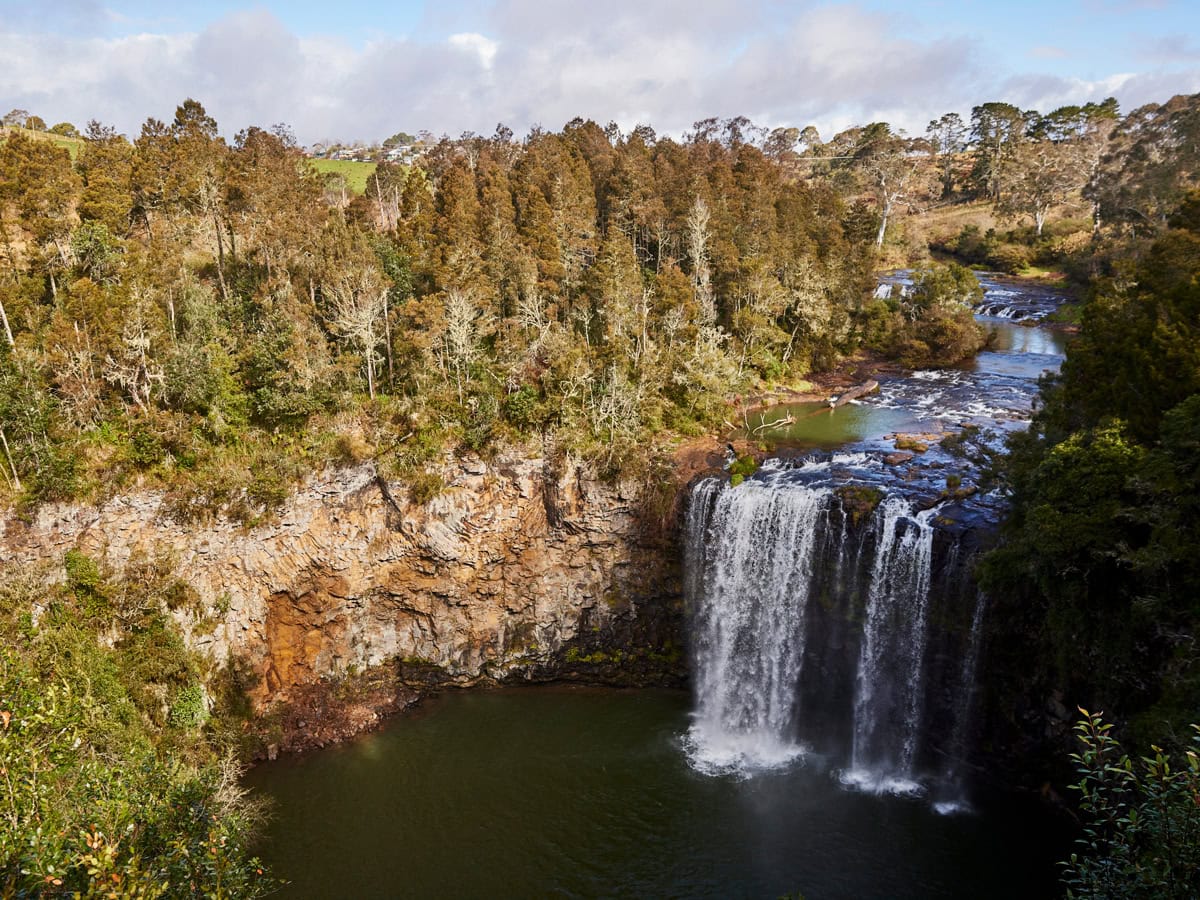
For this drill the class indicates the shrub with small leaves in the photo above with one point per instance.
(188, 709)
(741, 469)
(1141, 833)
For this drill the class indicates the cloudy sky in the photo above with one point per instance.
(355, 69)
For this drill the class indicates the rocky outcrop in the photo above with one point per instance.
(519, 569)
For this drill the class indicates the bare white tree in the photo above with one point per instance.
(615, 407)
(4, 321)
(889, 166)
(462, 334)
(357, 304)
(1038, 176)
(132, 370)
(16, 479)
(697, 249)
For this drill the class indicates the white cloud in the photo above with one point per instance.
(1132, 89)
(483, 47)
(526, 62)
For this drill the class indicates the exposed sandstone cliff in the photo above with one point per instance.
(518, 570)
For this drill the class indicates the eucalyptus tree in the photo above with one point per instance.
(947, 138)
(1150, 164)
(996, 130)
(892, 169)
(1063, 155)
(1037, 176)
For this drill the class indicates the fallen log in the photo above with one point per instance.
(854, 393)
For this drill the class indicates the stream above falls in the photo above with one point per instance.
(832, 606)
(995, 390)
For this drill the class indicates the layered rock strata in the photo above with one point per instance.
(517, 570)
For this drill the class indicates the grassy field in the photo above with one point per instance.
(72, 145)
(355, 173)
(945, 222)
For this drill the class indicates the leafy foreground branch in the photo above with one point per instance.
(1141, 836)
(110, 786)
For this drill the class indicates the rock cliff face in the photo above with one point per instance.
(518, 570)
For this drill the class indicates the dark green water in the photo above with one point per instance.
(562, 792)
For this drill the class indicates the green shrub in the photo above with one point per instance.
(424, 486)
(100, 798)
(930, 325)
(1010, 258)
(479, 424)
(522, 408)
(268, 489)
(859, 501)
(188, 709)
(743, 467)
(145, 447)
(83, 574)
(57, 477)
(1141, 820)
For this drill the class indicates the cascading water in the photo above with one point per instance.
(750, 589)
(953, 794)
(889, 700)
(808, 631)
(831, 604)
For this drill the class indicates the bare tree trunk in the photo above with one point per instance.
(62, 253)
(387, 336)
(385, 214)
(883, 222)
(698, 238)
(8, 455)
(4, 321)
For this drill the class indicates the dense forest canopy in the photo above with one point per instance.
(174, 304)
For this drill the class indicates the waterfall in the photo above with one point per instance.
(953, 796)
(890, 694)
(811, 632)
(749, 593)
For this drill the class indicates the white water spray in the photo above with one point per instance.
(749, 592)
(889, 701)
